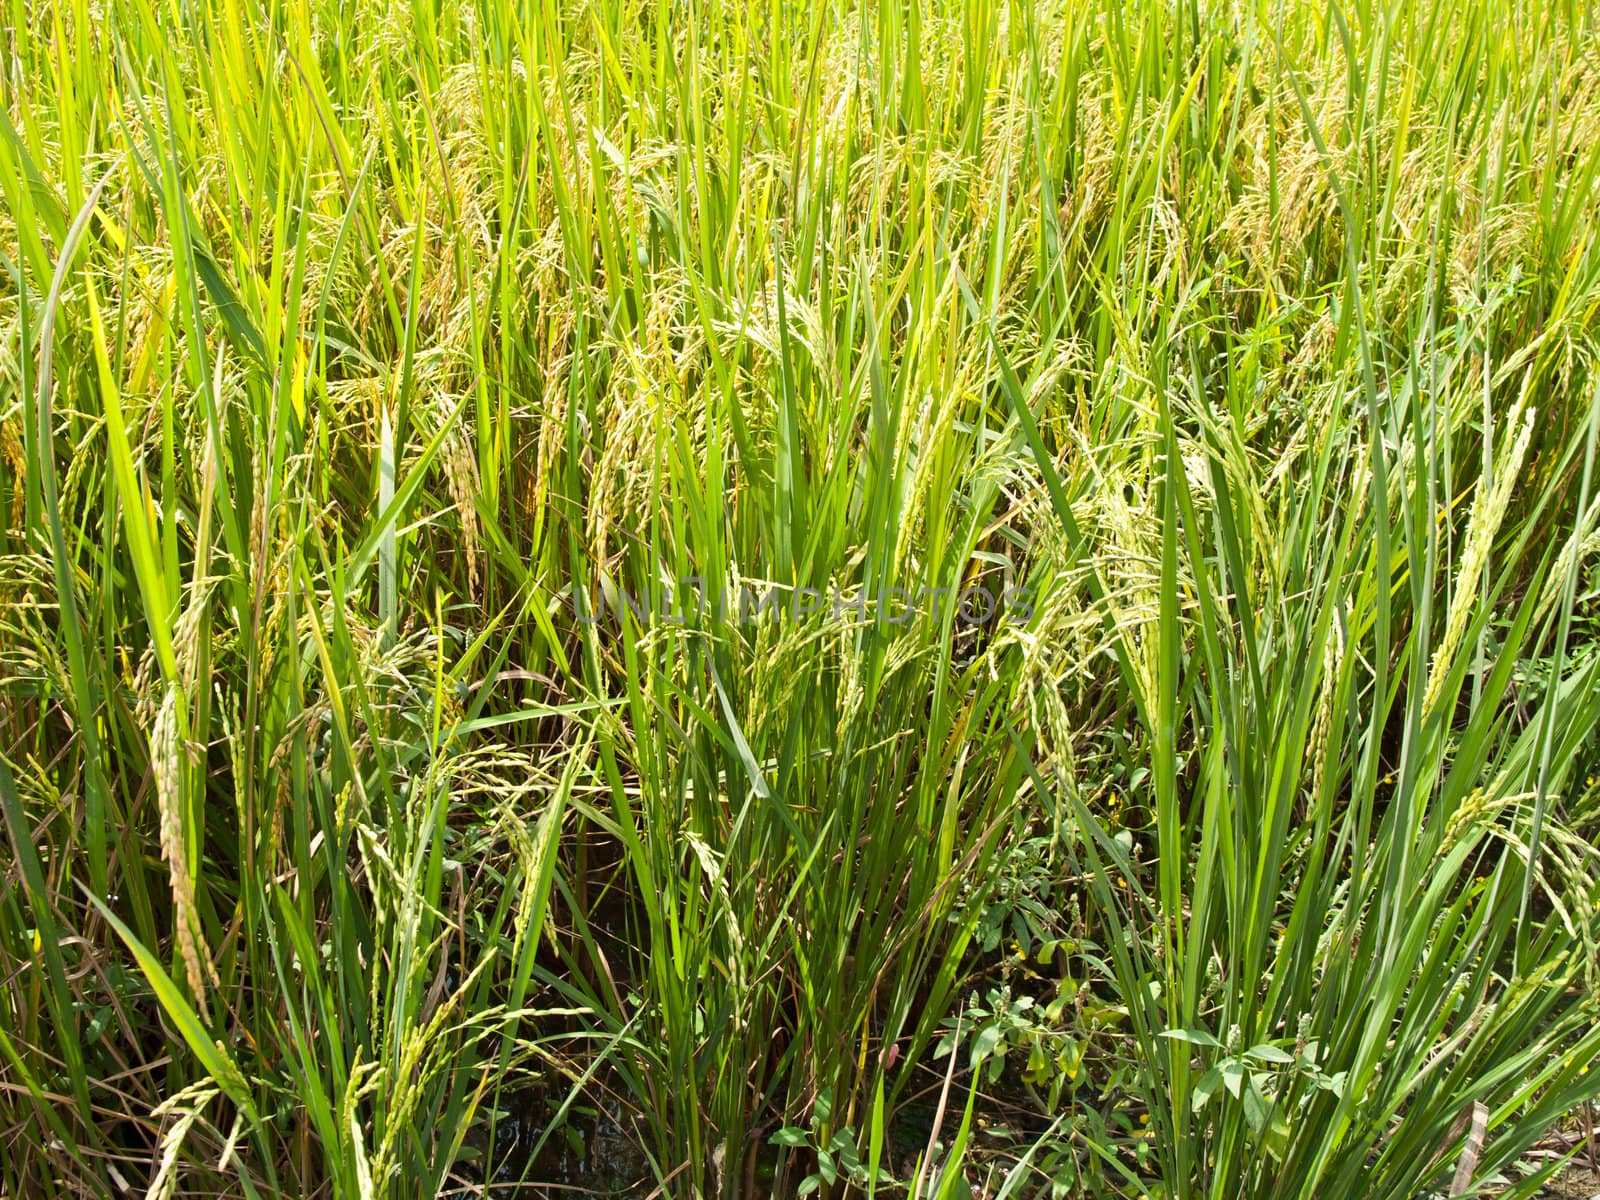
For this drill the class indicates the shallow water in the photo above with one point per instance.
(591, 1153)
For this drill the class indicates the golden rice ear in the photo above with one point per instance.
(168, 766)
(1490, 499)
(11, 453)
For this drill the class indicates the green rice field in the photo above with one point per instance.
(982, 600)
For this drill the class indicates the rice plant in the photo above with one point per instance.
(995, 598)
